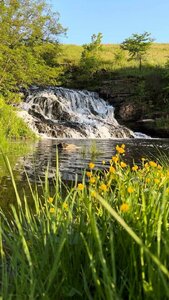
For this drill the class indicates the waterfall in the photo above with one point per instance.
(64, 113)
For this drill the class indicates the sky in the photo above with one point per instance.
(115, 19)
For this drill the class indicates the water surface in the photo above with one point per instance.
(36, 157)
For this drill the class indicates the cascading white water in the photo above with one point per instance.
(64, 113)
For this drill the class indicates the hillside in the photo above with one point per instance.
(156, 56)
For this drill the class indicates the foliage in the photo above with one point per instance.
(137, 46)
(12, 126)
(28, 44)
(119, 57)
(166, 76)
(26, 22)
(113, 63)
(90, 57)
(104, 238)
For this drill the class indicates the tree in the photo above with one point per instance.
(137, 46)
(90, 58)
(27, 22)
(29, 33)
(119, 57)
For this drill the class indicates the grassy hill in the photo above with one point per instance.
(156, 56)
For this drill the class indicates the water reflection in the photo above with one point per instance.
(72, 162)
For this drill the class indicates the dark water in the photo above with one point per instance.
(42, 154)
(72, 162)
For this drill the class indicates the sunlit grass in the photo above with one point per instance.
(157, 55)
(104, 238)
(12, 126)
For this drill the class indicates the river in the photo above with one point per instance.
(34, 158)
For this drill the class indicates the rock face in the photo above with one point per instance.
(65, 113)
(122, 93)
(134, 103)
(129, 111)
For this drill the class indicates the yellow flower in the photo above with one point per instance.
(91, 165)
(103, 187)
(115, 158)
(120, 149)
(92, 180)
(103, 162)
(156, 180)
(123, 146)
(130, 190)
(152, 163)
(123, 164)
(80, 187)
(50, 199)
(124, 207)
(93, 194)
(65, 205)
(88, 174)
(52, 210)
(159, 167)
(135, 168)
(147, 180)
(112, 169)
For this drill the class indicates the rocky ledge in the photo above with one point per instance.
(132, 108)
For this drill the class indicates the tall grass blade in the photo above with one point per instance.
(130, 231)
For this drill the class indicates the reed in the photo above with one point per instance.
(93, 151)
(104, 238)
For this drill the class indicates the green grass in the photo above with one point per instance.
(104, 238)
(11, 126)
(157, 55)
